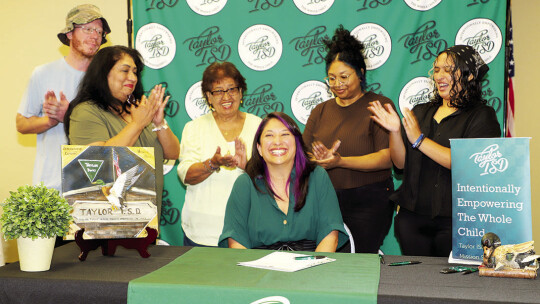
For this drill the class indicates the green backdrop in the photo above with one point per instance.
(276, 44)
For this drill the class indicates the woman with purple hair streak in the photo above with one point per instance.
(284, 201)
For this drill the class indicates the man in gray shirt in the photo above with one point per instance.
(53, 85)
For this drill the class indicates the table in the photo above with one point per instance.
(102, 279)
(99, 279)
(422, 283)
(211, 275)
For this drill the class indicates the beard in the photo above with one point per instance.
(79, 47)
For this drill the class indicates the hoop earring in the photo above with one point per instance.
(130, 99)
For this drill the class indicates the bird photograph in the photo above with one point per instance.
(116, 193)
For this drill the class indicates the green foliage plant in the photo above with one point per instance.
(35, 212)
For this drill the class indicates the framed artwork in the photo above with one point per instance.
(112, 190)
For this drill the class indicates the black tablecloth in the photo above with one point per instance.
(423, 283)
(102, 279)
(99, 279)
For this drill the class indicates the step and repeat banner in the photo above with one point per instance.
(491, 191)
(277, 46)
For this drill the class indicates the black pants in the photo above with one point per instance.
(421, 235)
(367, 212)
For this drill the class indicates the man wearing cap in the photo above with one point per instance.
(53, 85)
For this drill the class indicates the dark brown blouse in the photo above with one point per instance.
(358, 133)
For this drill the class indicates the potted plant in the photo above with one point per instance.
(34, 216)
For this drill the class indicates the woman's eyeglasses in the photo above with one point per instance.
(337, 81)
(221, 93)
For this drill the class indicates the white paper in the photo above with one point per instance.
(452, 260)
(285, 261)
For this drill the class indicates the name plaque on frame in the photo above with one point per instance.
(491, 192)
(112, 190)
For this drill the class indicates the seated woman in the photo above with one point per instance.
(283, 201)
(111, 110)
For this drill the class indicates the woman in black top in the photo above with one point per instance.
(420, 145)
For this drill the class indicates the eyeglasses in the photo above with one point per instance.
(90, 30)
(342, 79)
(221, 93)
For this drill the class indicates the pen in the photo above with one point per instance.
(310, 257)
(404, 263)
(381, 258)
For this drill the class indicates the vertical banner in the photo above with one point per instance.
(491, 192)
(278, 46)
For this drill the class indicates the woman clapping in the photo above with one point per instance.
(111, 110)
(213, 153)
(420, 145)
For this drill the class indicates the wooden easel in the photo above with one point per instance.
(108, 246)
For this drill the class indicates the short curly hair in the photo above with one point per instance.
(216, 72)
(346, 48)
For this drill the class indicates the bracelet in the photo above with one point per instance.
(214, 168)
(419, 141)
(206, 167)
(164, 125)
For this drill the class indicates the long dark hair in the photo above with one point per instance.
(471, 90)
(257, 169)
(346, 48)
(94, 86)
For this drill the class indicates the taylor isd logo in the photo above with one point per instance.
(206, 7)
(310, 45)
(377, 43)
(262, 100)
(416, 91)
(156, 44)
(483, 35)
(313, 7)
(195, 103)
(260, 47)
(425, 42)
(490, 159)
(306, 97)
(209, 45)
(422, 5)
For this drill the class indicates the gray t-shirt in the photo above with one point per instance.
(56, 76)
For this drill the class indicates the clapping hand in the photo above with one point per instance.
(150, 109)
(143, 112)
(219, 160)
(157, 95)
(385, 116)
(410, 124)
(326, 158)
(389, 119)
(240, 156)
(53, 108)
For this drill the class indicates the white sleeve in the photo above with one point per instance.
(190, 149)
(32, 103)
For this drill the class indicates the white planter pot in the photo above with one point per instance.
(35, 255)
